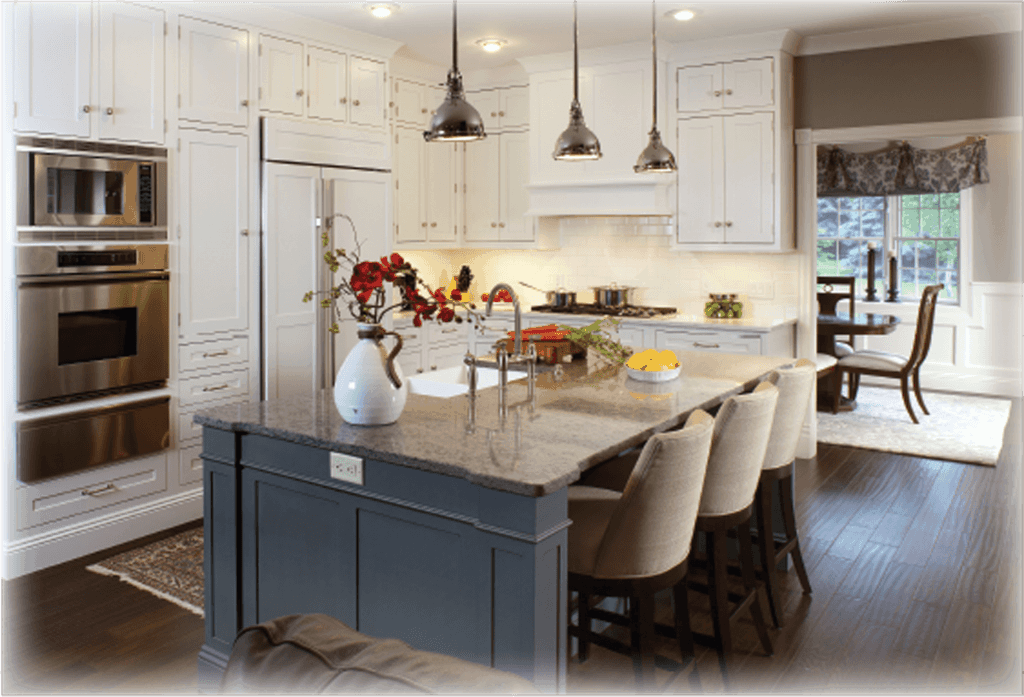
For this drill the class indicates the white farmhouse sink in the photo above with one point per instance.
(450, 382)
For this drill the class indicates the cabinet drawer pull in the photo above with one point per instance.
(449, 330)
(86, 109)
(215, 354)
(216, 387)
(107, 488)
(697, 344)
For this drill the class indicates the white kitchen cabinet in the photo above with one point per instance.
(425, 188)
(730, 85)
(414, 104)
(326, 84)
(726, 192)
(282, 79)
(56, 90)
(213, 73)
(708, 341)
(503, 108)
(496, 197)
(366, 84)
(217, 238)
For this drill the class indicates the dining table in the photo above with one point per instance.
(844, 324)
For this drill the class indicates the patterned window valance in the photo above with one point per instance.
(902, 169)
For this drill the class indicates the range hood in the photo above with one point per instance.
(649, 194)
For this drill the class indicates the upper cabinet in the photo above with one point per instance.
(213, 73)
(496, 200)
(503, 109)
(301, 80)
(414, 104)
(56, 91)
(732, 85)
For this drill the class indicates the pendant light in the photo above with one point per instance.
(577, 142)
(655, 157)
(455, 119)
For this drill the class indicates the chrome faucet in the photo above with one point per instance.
(501, 353)
(517, 348)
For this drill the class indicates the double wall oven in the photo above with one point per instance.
(93, 292)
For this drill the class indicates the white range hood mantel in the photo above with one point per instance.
(647, 195)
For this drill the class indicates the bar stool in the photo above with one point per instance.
(636, 543)
(794, 385)
(742, 427)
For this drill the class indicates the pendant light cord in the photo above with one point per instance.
(455, 37)
(654, 68)
(575, 56)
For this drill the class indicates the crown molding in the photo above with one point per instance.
(786, 40)
(979, 25)
(620, 53)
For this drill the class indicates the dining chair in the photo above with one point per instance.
(892, 365)
(742, 428)
(636, 543)
(834, 290)
(794, 385)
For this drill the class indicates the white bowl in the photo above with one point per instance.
(653, 375)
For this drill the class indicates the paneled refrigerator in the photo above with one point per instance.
(299, 203)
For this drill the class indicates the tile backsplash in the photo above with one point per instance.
(629, 251)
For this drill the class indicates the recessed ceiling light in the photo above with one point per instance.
(682, 15)
(381, 10)
(491, 45)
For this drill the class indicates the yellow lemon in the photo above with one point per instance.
(667, 359)
(642, 360)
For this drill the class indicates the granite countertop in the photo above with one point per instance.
(585, 415)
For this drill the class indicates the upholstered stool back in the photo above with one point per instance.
(738, 446)
(794, 385)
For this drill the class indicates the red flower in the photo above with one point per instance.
(439, 296)
(456, 295)
(364, 296)
(396, 259)
(484, 297)
(447, 314)
(417, 321)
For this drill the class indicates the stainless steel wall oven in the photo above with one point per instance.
(92, 320)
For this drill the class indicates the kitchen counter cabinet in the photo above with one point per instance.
(453, 535)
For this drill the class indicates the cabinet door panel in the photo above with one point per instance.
(439, 190)
(482, 189)
(748, 83)
(281, 76)
(749, 191)
(410, 102)
(696, 87)
(622, 99)
(214, 259)
(213, 73)
(700, 195)
(514, 107)
(131, 97)
(291, 257)
(515, 198)
(487, 103)
(326, 84)
(410, 220)
(52, 67)
(366, 87)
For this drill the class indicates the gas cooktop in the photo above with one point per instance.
(614, 311)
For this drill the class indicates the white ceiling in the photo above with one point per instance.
(534, 27)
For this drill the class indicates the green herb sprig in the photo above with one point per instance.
(600, 336)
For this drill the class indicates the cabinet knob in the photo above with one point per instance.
(423, 110)
(501, 224)
(110, 111)
(718, 223)
(718, 93)
(86, 109)
(343, 100)
(423, 224)
(355, 102)
(501, 113)
(493, 113)
(728, 223)
(245, 102)
(245, 233)
(494, 225)
(433, 225)
(433, 367)
(419, 370)
(390, 104)
(299, 93)
(728, 91)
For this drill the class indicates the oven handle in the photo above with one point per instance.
(90, 278)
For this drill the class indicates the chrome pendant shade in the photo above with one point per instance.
(456, 119)
(655, 157)
(577, 142)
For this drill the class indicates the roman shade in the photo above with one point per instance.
(902, 169)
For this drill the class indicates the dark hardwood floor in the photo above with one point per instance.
(915, 565)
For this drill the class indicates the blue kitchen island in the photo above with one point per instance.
(446, 529)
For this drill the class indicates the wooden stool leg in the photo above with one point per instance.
(905, 389)
(583, 612)
(766, 545)
(917, 390)
(789, 523)
(750, 584)
(718, 590)
(684, 636)
(643, 641)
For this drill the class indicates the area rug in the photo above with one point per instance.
(171, 569)
(960, 428)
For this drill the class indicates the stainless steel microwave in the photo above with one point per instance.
(91, 185)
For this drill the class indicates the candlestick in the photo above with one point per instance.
(894, 282)
(870, 294)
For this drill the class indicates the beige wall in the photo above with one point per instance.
(629, 251)
(970, 78)
(997, 213)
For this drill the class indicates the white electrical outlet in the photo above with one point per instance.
(347, 468)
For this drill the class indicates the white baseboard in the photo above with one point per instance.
(40, 551)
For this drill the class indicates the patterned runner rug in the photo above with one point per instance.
(171, 569)
(961, 428)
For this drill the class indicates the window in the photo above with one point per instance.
(925, 228)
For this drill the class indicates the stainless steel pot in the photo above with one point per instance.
(611, 296)
(555, 298)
